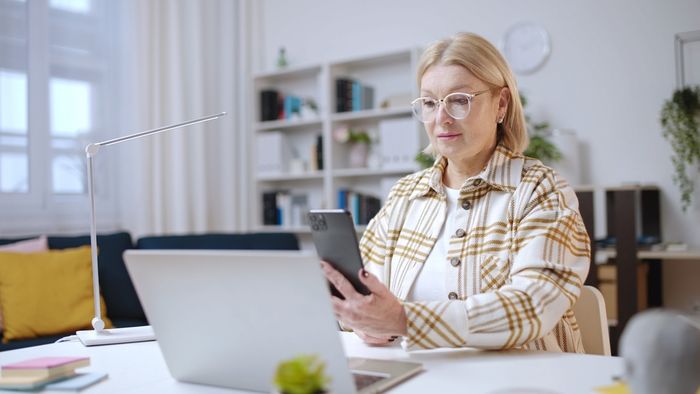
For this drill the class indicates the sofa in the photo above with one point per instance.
(122, 304)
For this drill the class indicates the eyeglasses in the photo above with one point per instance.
(456, 104)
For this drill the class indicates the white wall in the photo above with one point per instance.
(611, 68)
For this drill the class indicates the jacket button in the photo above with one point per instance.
(452, 295)
(460, 233)
(477, 182)
(466, 205)
(455, 261)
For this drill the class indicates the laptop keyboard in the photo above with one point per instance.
(363, 380)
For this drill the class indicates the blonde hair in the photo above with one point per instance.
(482, 59)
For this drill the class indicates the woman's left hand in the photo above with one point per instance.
(377, 314)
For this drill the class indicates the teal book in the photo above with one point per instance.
(77, 382)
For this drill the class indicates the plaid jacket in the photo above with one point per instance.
(523, 256)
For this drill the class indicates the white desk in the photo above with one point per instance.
(140, 368)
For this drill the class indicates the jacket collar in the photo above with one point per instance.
(502, 172)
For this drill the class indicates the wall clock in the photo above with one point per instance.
(526, 46)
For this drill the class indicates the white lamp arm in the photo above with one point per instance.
(91, 151)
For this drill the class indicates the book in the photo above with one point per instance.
(356, 97)
(367, 97)
(27, 382)
(292, 107)
(319, 152)
(45, 367)
(270, 216)
(77, 382)
(269, 105)
(341, 94)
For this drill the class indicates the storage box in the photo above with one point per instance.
(607, 277)
(272, 153)
(399, 143)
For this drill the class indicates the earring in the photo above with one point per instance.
(500, 120)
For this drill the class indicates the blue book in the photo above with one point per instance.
(356, 96)
(342, 198)
(77, 382)
(355, 207)
(292, 106)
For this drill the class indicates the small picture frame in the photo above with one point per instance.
(688, 58)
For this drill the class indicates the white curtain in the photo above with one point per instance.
(180, 57)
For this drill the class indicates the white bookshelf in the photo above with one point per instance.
(391, 75)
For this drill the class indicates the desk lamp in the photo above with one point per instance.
(100, 335)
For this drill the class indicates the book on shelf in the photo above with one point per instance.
(284, 208)
(269, 104)
(343, 93)
(292, 107)
(356, 96)
(269, 207)
(362, 207)
(367, 97)
(317, 154)
(352, 95)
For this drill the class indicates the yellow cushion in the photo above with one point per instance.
(46, 293)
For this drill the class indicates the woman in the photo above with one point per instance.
(485, 249)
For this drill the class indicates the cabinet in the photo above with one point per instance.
(299, 114)
(631, 279)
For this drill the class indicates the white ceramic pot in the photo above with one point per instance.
(358, 155)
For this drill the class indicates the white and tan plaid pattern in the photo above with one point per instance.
(523, 257)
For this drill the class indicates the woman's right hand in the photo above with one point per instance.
(375, 340)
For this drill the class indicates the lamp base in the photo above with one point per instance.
(112, 336)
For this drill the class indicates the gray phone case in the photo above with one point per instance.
(334, 236)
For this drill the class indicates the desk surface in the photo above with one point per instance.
(140, 368)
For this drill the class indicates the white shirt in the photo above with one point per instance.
(431, 283)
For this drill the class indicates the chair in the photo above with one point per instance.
(593, 321)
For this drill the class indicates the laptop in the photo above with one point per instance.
(228, 318)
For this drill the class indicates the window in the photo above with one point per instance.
(14, 169)
(56, 68)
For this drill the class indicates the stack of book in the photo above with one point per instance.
(39, 372)
(282, 208)
(275, 105)
(352, 95)
(362, 207)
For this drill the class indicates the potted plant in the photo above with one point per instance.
(359, 140)
(303, 374)
(540, 147)
(424, 160)
(680, 119)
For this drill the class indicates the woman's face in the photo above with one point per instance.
(461, 139)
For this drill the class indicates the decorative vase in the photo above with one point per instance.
(358, 155)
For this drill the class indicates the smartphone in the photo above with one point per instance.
(334, 236)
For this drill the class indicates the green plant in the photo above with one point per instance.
(304, 374)
(352, 135)
(680, 120)
(424, 160)
(540, 147)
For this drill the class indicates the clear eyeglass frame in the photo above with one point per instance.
(457, 105)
